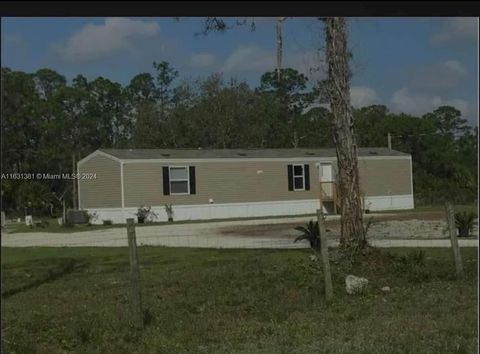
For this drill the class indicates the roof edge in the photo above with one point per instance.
(122, 155)
(96, 153)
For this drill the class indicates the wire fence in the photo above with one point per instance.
(385, 230)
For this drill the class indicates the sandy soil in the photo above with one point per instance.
(400, 226)
(386, 231)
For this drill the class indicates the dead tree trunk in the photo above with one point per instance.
(278, 32)
(279, 42)
(295, 140)
(338, 91)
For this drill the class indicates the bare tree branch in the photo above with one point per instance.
(218, 24)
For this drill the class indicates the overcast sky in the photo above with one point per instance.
(411, 65)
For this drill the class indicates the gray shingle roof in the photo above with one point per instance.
(126, 154)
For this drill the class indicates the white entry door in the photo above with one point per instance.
(326, 172)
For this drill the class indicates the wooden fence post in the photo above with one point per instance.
(324, 252)
(134, 274)
(64, 213)
(453, 239)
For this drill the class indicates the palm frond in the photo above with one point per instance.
(311, 233)
(464, 222)
(301, 238)
(302, 229)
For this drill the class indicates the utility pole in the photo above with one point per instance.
(389, 137)
(62, 199)
(74, 181)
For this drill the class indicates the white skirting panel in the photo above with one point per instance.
(390, 202)
(242, 210)
(211, 211)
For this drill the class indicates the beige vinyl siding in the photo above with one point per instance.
(224, 182)
(385, 177)
(105, 190)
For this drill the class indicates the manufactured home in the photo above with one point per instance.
(216, 184)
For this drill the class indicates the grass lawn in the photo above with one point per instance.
(53, 226)
(57, 300)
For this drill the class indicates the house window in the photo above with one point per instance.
(298, 178)
(179, 180)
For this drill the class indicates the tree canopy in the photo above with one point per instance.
(45, 119)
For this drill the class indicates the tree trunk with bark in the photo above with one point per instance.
(338, 92)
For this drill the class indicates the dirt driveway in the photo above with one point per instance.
(386, 231)
(381, 227)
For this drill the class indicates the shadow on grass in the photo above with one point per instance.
(66, 267)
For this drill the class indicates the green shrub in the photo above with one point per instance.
(145, 214)
(107, 222)
(464, 223)
(92, 217)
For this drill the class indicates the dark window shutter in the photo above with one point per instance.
(166, 180)
(191, 171)
(290, 177)
(306, 171)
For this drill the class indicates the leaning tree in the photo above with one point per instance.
(338, 95)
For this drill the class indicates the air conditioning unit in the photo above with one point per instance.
(77, 217)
